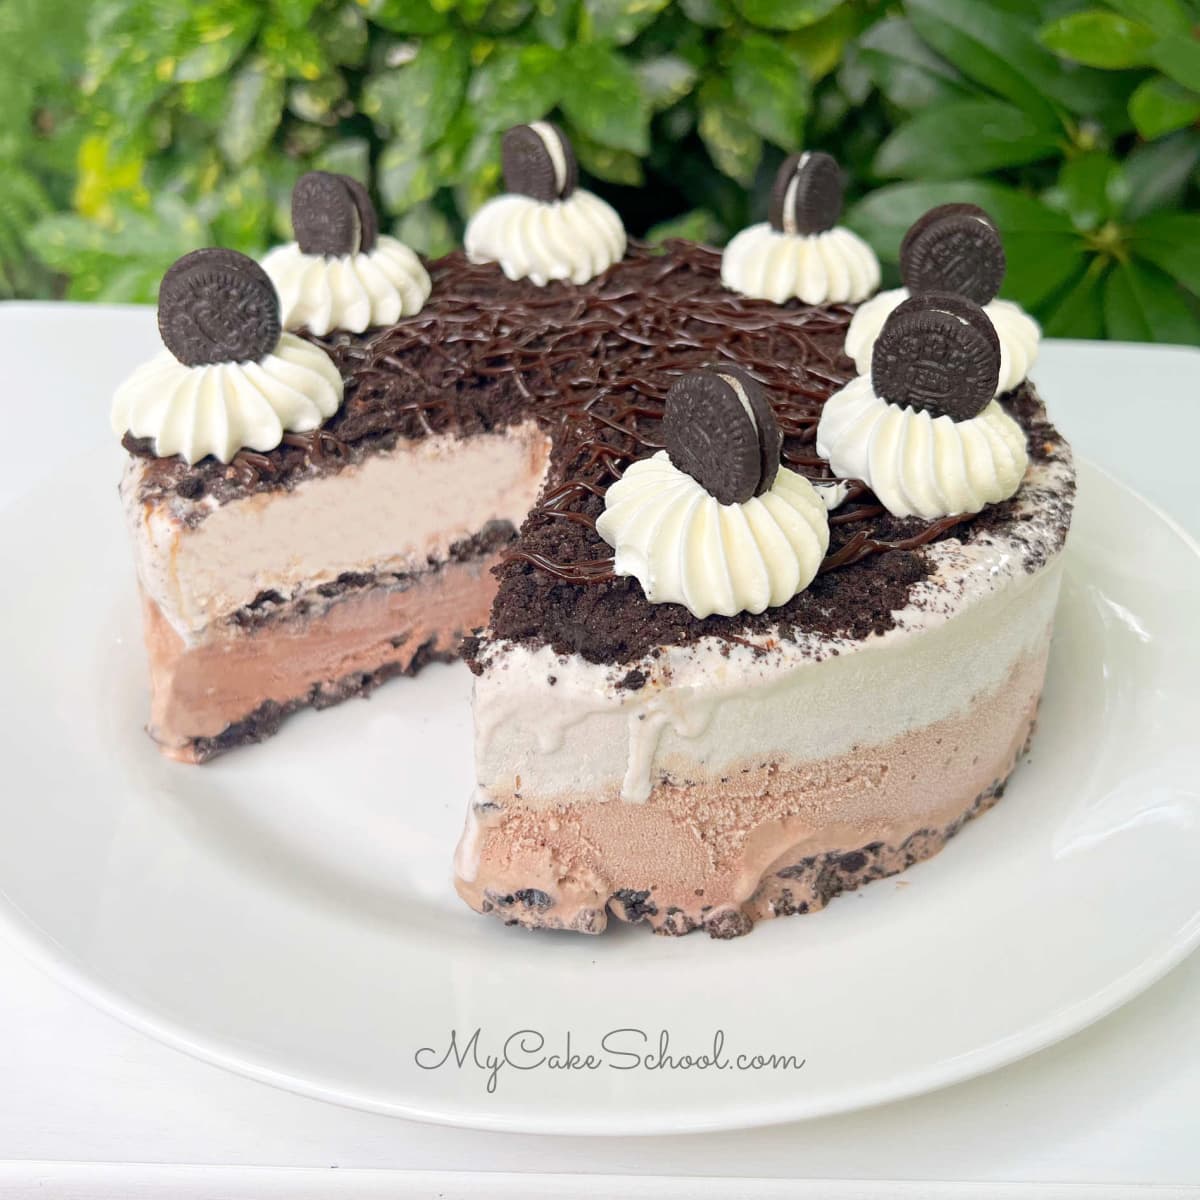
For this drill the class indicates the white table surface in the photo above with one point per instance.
(88, 1107)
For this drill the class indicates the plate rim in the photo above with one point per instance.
(20, 931)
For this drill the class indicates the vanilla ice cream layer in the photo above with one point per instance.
(395, 511)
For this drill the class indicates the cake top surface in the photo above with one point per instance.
(593, 364)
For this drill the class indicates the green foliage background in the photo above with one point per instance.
(135, 130)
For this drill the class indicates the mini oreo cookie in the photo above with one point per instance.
(539, 162)
(806, 197)
(218, 306)
(954, 248)
(938, 353)
(720, 429)
(332, 215)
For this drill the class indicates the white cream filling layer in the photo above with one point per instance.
(711, 706)
(714, 704)
(392, 512)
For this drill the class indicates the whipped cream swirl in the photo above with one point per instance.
(221, 408)
(834, 267)
(354, 292)
(1020, 335)
(573, 239)
(685, 547)
(917, 464)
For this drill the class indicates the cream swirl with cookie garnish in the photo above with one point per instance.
(801, 253)
(228, 379)
(954, 248)
(544, 227)
(340, 273)
(923, 429)
(714, 522)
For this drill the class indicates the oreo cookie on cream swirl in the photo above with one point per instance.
(539, 162)
(228, 378)
(544, 228)
(340, 272)
(954, 248)
(807, 194)
(937, 353)
(801, 253)
(922, 429)
(719, 427)
(713, 521)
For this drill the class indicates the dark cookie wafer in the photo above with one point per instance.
(937, 353)
(708, 433)
(368, 221)
(814, 203)
(954, 248)
(217, 306)
(529, 166)
(332, 215)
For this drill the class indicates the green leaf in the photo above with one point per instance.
(1163, 16)
(785, 14)
(990, 47)
(699, 225)
(407, 16)
(1079, 311)
(1171, 240)
(219, 42)
(711, 14)
(252, 113)
(427, 231)
(404, 176)
(294, 50)
(613, 166)
(1098, 38)
(1043, 250)
(819, 48)
(1179, 59)
(770, 87)
(503, 16)
(618, 21)
(964, 137)
(416, 100)
(604, 100)
(554, 22)
(665, 79)
(904, 69)
(1161, 106)
(517, 84)
(727, 135)
(347, 156)
(1157, 173)
(319, 102)
(1089, 190)
(1141, 304)
(343, 33)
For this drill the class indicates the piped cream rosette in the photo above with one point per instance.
(922, 429)
(355, 292)
(713, 522)
(954, 248)
(545, 227)
(228, 379)
(1019, 334)
(340, 273)
(801, 253)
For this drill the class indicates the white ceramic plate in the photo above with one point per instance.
(287, 911)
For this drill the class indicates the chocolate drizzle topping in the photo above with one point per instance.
(592, 364)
